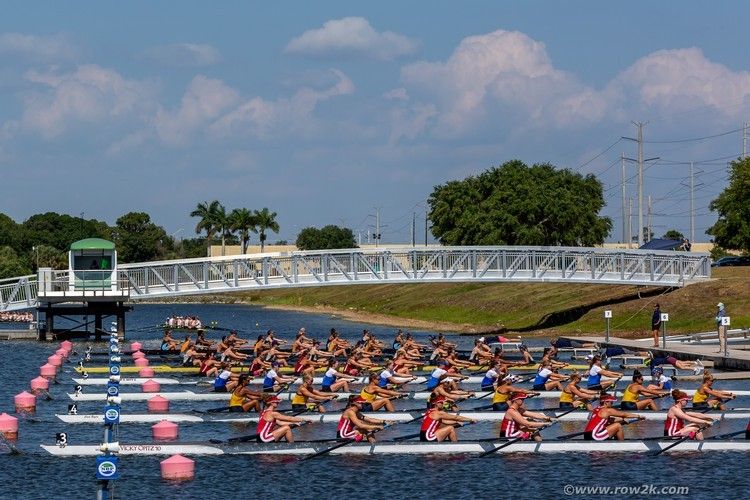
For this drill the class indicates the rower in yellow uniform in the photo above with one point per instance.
(503, 391)
(634, 390)
(308, 399)
(701, 398)
(370, 394)
(242, 398)
(573, 396)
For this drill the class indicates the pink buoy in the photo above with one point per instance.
(165, 430)
(48, 371)
(62, 353)
(150, 386)
(39, 384)
(177, 467)
(24, 402)
(146, 372)
(8, 426)
(158, 404)
(138, 355)
(67, 344)
(141, 362)
(135, 346)
(55, 360)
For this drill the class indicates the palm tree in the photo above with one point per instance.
(242, 221)
(207, 213)
(222, 225)
(265, 220)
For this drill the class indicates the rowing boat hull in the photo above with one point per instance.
(405, 416)
(416, 447)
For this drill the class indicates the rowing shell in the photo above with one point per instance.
(254, 381)
(390, 448)
(224, 396)
(480, 416)
(286, 370)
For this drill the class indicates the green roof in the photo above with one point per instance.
(92, 244)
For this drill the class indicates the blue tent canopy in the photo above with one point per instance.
(661, 244)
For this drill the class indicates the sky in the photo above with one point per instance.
(333, 112)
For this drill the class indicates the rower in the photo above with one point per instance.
(634, 390)
(596, 372)
(602, 424)
(243, 399)
(503, 391)
(372, 390)
(441, 372)
(223, 381)
(516, 423)
(268, 430)
(491, 377)
(701, 397)
(573, 396)
(388, 379)
(305, 393)
(449, 390)
(439, 425)
(273, 381)
(546, 379)
(659, 381)
(354, 425)
(674, 425)
(333, 380)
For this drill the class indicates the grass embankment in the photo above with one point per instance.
(525, 308)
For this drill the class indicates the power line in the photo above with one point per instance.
(696, 139)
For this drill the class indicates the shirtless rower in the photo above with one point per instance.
(573, 396)
(439, 425)
(377, 397)
(634, 390)
(702, 399)
(516, 423)
(273, 382)
(243, 399)
(602, 424)
(674, 425)
(269, 430)
(481, 354)
(354, 425)
(334, 380)
(301, 401)
(504, 389)
(546, 379)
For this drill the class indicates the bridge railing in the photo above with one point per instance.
(18, 293)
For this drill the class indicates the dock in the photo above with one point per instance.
(26, 334)
(737, 359)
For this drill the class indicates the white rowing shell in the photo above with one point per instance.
(415, 447)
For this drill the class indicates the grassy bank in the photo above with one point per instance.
(543, 309)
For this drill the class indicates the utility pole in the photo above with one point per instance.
(744, 140)
(425, 226)
(414, 229)
(650, 230)
(377, 227)
(640, 183)
(630, 221)
(692, 204)
(622, 185)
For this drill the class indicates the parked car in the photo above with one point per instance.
(732, 260)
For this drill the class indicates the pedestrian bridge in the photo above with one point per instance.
(175, 278)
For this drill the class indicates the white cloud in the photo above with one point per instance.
(351, 36)
(204, 100)
(260, 117)
(90, 94)
(184, 54)
(398, 94)
(54, 48)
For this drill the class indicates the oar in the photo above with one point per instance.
(339, 445)
(659, 452)
(495, 450)
(728, 435)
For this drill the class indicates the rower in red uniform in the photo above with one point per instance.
(439, 425)
(354, 425)
(268, 431)
(602, 425)
(674, 425)
(516, 423)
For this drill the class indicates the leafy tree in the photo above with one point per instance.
(264, 220)
(190, 248)
(137, 239)
(329, 237)
(10, 232)
(732, 229)
(207, 213)
(59, 231)
(47, 256)
(673, 234)
(514, 204)
(242, 221)
(223, 224)
(11, 265)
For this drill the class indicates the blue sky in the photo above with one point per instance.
(323, 111)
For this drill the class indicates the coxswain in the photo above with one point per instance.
(503, 390)
(334, 380)
(546, 379)
(634, 390)
(573, 396)
(674, 425)
(243, 399)
(273, 382)
(516, 423)
(596, 372)
(354, 425)
(269, 430)
(372, 390)
(439, 425)
(702, 399)
(602, 424)
(659, 381)
(308, 399)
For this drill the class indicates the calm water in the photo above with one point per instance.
(36, 475)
